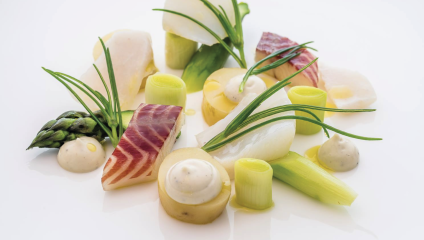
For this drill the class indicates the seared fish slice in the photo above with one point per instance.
(271, 42)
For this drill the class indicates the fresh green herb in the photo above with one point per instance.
(110, 107)
(234, 33)
(292, 54)
(243, 118)
(208, 59)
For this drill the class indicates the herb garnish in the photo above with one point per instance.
(110, 107)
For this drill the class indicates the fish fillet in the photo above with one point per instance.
(271, 42)
(269, 142)
(132, 56)
(347, 88)
(196, 9)
(149, 137)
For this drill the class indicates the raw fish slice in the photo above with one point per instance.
(98, 50)
(196, 9)
(269, 142)
(347, 88)
(271, 42)
(132, 54)
(150, 136)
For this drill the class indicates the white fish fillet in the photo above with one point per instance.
(196, 9)
(132, 54)
(267, 143)
(347, 88)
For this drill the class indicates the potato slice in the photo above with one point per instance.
(199, 213)
(216, 105)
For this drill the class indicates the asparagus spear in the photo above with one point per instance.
(71, 125)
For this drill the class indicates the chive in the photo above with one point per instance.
(109, 107)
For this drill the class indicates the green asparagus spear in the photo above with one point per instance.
(71, 125)
(207, 60)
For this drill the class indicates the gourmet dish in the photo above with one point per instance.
(253, 114)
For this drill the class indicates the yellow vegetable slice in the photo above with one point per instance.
(165, 89)
(309, 96)
(216, 105)
(253, 182)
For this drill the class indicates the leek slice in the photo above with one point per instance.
(312, 180)
(253, 182)
(178, 51)
(165, 89)
(309, 96)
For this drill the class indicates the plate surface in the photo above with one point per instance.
(384, 40)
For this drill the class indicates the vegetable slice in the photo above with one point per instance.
(309, 96)
(178, 50)
(312, 180)
(253, 182)
(165, 89)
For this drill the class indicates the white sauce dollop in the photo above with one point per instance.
(193, 181)
(338, 154)
(81, 155)
(253, 85)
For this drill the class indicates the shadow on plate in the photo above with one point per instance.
(173, 229)
(252, 225)
(131, 196)
(303, 206)
(46, 164)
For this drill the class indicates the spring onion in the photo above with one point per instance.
(312, 180)
(309, 96)
(165, 89)
(253, 183)
(178, 50)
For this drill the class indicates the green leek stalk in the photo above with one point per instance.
(253, 183)
(308, 96)
(312, 180)
(178, 50)
(165, 89)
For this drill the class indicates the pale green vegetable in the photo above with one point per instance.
(312, 180)
(178, 50)
(165, 89)
(253, 182)
(309, 96)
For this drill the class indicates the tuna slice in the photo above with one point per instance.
(149, 137)
(271, 42)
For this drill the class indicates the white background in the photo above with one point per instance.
(381, 39)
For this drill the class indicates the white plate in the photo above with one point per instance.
(382, 40)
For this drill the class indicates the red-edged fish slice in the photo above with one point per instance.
(149, 137)
(271, 42)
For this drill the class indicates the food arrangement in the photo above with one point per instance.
(253, 113)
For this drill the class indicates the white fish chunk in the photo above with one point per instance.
(196, 9)
(346, 88)
(267, 143)
(132, 58)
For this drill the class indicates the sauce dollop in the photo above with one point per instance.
(253, 85)
(193, 181)
(81, 155)
(338, 154)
